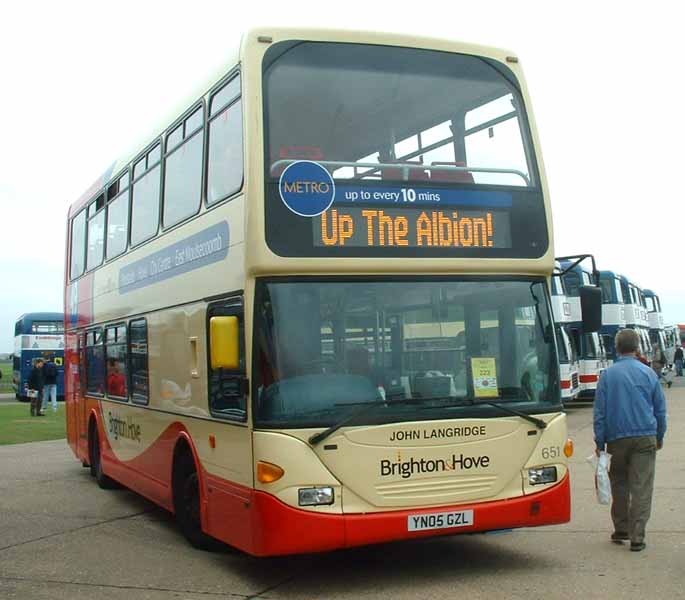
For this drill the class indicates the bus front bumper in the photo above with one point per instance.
(281, 529)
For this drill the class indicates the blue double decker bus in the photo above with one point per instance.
(38, 335)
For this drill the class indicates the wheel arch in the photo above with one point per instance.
(93, 421)
(185, 446)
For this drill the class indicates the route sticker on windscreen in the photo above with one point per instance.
(445, 520)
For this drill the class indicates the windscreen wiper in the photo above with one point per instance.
(539, 423)
(471, 402)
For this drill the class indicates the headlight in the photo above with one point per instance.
(315, 496)
(542, 475)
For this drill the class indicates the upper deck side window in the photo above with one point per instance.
(419, 115)
(225, 147)
(47, 327)
(145, 199)
(96, 233)
(78, 245)
(183, 169)
(117, 216)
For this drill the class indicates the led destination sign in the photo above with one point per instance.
(307, 213)
(397, 227)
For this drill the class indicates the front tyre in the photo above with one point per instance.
(187, 506)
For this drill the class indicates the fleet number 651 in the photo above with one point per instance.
(551, 452)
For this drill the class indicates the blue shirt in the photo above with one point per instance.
(629, 402)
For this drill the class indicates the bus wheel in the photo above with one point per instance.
(186, 488)
(105, 482)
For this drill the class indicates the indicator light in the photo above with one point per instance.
(568, 448)
(268, 472)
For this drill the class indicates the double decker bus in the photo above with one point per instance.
(568, 355)
(37, 335)
(655, 321)
(312, 312)
(591, 351)
(636, 314)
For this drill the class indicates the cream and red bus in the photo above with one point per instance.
(312, 311)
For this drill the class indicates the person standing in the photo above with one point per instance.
(678, 360)
(630, 422)
(658, 364)
(36, 388)
(50, 384)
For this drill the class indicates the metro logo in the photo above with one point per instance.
(307, 187)
(407, 468)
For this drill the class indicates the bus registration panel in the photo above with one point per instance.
(446, 520)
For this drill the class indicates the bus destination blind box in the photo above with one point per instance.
(373, 217)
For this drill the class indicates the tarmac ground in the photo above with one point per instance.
(63, 537)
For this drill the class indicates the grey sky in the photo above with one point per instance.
(84, 81)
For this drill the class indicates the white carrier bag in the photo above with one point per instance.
(601, 464)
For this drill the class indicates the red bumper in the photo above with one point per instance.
(282, 529)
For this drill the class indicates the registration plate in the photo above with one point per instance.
(444, 520)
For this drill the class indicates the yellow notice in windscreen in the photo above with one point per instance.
(484, 372)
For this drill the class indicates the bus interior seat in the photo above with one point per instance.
(297, 153)
(451, 176)
(396, 173)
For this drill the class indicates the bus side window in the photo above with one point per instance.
(115, 351)
(225, 147)
(95, 362)
(138, 361)
(227, 387)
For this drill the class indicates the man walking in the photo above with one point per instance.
(630, 420)
(678, 360)
(50, 384)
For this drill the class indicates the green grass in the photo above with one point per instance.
(17, 426)
(6, 381)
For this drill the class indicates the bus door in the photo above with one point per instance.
(228, 390)
(78, 394)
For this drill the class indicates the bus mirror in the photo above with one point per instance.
(224, 343)
(591, 306)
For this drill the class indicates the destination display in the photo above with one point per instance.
(397, 227)
(308, 213)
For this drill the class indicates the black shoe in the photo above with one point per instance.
(619, 537)
(637, 546)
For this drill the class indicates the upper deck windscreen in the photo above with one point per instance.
(409, 153)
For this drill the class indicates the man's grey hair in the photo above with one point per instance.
(627, 341)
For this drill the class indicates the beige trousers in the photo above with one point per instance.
(632, 483)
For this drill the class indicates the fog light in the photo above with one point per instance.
(315, 496)
(542, 475)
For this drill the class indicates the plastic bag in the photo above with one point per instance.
(600, 464)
